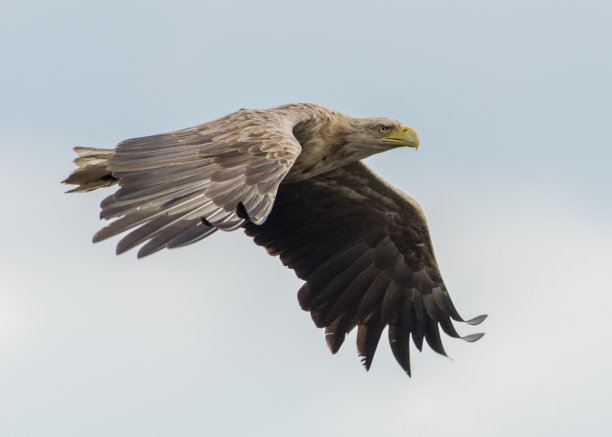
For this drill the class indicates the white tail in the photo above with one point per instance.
(92, 172)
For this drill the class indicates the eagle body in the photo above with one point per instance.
(293, 179)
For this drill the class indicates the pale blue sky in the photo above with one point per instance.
(512, 101)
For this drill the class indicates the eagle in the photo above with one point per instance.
(293, 178)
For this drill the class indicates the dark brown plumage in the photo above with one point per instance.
(292, 178)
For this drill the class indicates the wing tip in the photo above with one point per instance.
(366, 362)
(98, 236)
(477, 320)
(473, 337)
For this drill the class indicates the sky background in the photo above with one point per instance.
(512, 101)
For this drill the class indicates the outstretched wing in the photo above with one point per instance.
(364, 250)
(181, 186)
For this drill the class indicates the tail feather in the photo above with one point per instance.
(92, 172)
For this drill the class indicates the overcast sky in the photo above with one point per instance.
(512, 101)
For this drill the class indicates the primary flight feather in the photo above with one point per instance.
(292, 177)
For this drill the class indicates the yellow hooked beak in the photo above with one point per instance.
(404, 136)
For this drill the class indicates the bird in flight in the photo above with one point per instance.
(292, 178)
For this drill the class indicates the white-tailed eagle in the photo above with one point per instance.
(292, 177)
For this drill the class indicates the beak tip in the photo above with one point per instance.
(412, 136)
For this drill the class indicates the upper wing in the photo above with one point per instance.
(364, 250)
(181, 186)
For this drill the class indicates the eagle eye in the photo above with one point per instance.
(383, 129)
